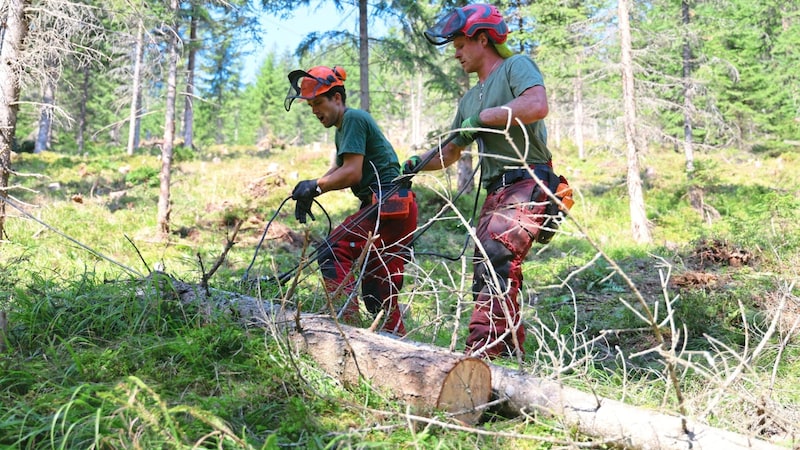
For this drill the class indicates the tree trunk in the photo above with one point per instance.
(555, 119)
(688, 149)
(164, 177)
(46, 113)
(12, 36)
(425, 376)
(639, 225)
(626, 426)
(219, 136)
(79, 138)
(416, 97)
(134, 121)
(577, 114)
(363, 53)
(188, 108)
(465, 181)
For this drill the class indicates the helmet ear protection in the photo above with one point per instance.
(316, 81)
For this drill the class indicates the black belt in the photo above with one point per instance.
(512, 176)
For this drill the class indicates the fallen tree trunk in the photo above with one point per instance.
(419, 373)
(427, 378)
(626, 425)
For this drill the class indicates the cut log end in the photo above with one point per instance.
(425, 377)
(465, 389)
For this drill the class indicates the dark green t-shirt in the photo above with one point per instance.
(360, 135)
(507, 82)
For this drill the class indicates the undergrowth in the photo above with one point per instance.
(100, 356)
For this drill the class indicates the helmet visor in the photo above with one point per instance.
(304, 86)
(447, 28)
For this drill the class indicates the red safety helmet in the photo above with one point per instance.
(316, 81)
(468, 21)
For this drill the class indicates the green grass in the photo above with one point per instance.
(99, 357)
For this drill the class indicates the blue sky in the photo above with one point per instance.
(280, 35)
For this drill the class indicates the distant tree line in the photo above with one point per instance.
(78, 76)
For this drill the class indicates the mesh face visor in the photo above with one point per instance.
(295, 90)
(468, 21)
(447, 28)
(307, 85)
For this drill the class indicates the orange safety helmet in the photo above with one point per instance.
(316, 81)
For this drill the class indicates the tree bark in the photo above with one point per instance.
(627, 426)
(82, 119)
(577, 113)
(12, 35)
(46, 113)
(416, 98)
(134, 122)
(188, 107)
(363, 53)
(555, 118)
(425, 377)
(688, 148)
(419, 373)
(639, 225)
(164, 205)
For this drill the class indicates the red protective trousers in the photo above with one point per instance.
(507, 227)
(383, 265)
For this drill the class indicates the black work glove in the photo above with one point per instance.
(303, 209)
(412, 165)
(304, 194)
(306, 190)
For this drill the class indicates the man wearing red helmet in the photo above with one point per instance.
(366, 163)
(509, 101)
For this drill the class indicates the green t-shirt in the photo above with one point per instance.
(507, 82)
(361, 135)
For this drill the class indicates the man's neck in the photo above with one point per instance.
(488, 67)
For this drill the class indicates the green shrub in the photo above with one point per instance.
(143, 175)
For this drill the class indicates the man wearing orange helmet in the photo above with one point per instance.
(510, 98)
(367, 164)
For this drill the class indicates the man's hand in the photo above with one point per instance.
(303, 209)
(470, 123)
(306, 190)
(304, 194)
(412, 165)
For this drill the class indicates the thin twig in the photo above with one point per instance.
(230, 242)
(141, 258)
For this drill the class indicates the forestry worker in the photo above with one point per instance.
(366, 163)
(509, 100)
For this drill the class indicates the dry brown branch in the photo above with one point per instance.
(230, 241)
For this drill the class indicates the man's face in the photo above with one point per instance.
(468, 53)
(328, 110)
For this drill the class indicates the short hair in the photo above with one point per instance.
(332, 91)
